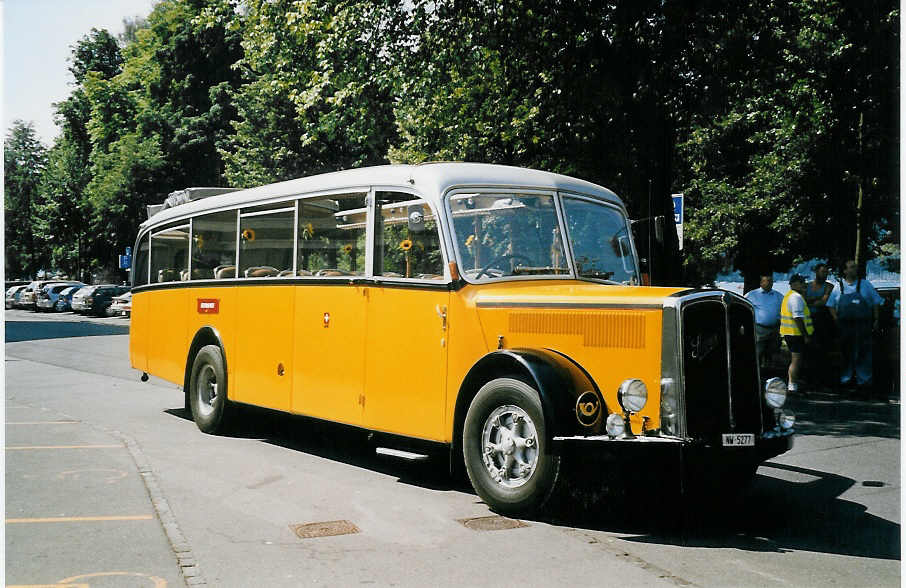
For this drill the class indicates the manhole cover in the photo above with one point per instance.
(323, 529)
(492, 523)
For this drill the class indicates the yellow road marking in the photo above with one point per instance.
(155, 581)
(49, 586)
(81, 519)
(12, 447)
(45, 423)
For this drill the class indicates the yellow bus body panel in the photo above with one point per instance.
(263, 374)
(330, 353)
(223, 322)
(167, 328)
(138, 331)
(406, 345)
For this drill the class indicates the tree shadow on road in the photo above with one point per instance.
(36, 330)
(845, 415)
(787, 508)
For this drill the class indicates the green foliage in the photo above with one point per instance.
(318, 89)
(768, 115)
(24, 160)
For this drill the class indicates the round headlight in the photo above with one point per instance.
(775, 392)
(614, 425)
(633, 395)
(786, 419)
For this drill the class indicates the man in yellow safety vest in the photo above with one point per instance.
(795, 327)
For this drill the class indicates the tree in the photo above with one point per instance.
(24, 160)
(772, 151)
(318, 89)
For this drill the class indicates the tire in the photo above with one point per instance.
(210, 407)
(518, 473)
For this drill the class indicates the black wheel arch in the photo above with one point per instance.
(558, 379)
(206, 335)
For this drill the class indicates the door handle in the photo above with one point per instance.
(442, 313)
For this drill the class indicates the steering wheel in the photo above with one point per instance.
(499, 258)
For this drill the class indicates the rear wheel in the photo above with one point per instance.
(208, 390)
(505, 447)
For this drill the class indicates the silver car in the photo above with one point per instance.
(78, 299)
(11, 295)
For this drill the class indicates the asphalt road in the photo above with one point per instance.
(109, 484)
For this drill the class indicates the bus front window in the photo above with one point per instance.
(500, 235)
(600, 241)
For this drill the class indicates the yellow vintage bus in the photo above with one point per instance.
(490, 310)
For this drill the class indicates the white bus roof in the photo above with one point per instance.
(432, 180)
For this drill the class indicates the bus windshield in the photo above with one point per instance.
(600, 241)
(501, 235)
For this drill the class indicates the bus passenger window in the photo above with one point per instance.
(140, 266)
(170, 254)
(266, 240)
(332, 236)
(406, 239)
(214, 246)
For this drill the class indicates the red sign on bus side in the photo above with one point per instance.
(208, 305)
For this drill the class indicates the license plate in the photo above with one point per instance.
(738, 440)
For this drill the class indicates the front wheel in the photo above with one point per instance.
(506, 451)
(208, 390)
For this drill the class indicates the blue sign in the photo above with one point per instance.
(678, 211)
(125, 262)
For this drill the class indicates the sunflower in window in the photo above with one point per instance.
(406, 244)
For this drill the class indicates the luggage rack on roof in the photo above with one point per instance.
(184, 196)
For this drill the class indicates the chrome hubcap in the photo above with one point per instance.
(206, 384)
(509, 444)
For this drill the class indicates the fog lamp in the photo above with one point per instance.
(775, 392)
(633, 395)
(614, 425)
(786, 419)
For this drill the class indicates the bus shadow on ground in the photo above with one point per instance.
(36, 330)
(786, 508)
(340, 443)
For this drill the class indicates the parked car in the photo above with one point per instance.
(11, 295)
(101, 298)
(78, 298)
(28, 298)
(46, 297)
(64, 300)
(122, 305)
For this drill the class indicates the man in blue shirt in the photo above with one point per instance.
(767, 318)
(855, 304)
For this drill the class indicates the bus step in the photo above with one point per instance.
(407, 455)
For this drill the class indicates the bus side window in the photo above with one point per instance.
(214, 246)
(332, 235)
(170, 254)
(140, 266)
(266, 240)
(407, 244)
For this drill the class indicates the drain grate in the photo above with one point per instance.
(323, 529)
(492, 523)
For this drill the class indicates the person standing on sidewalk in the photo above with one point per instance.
(856, 306)
(817, 294)
(796, 327)
(766, 301)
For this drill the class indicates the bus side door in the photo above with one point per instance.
(406, 361)
(330, 333)
(264, 346)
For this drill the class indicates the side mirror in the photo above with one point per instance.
(659, 229)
